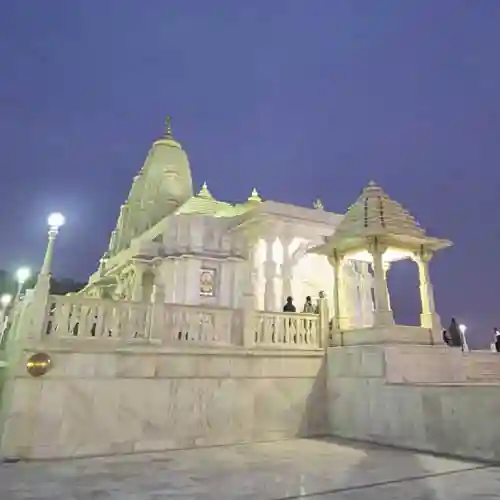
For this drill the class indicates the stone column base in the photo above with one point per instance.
(432, 321)
(383, 318)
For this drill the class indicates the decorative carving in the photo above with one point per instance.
(207, 282)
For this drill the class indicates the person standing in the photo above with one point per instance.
(289, 306)
(496, 331)
(308, 306)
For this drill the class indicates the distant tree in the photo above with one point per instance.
(62, 286)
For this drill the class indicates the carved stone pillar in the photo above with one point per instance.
(428, 318)
(324, 321)
(387, 266)
(137, 291)
(249, 299)
(340, 320)
(270, 276)
(287, 267)
(156, 326)
(383, 315)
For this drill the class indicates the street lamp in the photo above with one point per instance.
(22, 275)
(463, 329)
(55, 221)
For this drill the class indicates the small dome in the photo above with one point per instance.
(204, 192)
(254, 197)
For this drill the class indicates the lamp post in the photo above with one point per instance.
(5, 300)
(463, 329)
(55, 221)
(22, 275)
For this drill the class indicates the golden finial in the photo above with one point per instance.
(168, 127)
(255, 197)
(318, 204)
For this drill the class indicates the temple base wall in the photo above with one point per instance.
(98, 400)
(428, 398)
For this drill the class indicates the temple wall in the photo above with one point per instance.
(101, 401)
(427, 398)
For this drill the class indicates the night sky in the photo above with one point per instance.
(299, 98)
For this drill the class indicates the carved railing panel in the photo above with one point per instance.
(88, 318)
(287, 329)
(193, 324)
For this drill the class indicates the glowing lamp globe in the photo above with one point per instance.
(5, 299)
(462, 328)
(22, 274)
(56, 220)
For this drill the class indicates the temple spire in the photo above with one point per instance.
(168, 127)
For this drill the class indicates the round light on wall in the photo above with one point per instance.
(38, 364)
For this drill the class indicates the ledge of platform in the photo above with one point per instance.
(395, 334)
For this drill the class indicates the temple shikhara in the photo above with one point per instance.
(180, 338)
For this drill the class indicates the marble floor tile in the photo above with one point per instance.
(313, 469)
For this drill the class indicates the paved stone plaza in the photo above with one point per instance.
(314, 469)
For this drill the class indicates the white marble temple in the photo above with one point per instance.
(282, 470)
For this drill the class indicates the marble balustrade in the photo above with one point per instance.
(78, 317)
(287, 330)
(85, 317)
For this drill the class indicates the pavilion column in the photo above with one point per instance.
(429, 318)
(249, 299)
(387, 266)
(287, 267)
(270, 276)
(341, 322)
(382, 315)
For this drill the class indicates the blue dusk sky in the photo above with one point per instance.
(299, 98)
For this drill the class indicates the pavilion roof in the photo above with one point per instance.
(375, 214)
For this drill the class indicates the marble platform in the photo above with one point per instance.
(290, 469)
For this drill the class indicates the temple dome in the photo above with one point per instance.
(204, 203)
